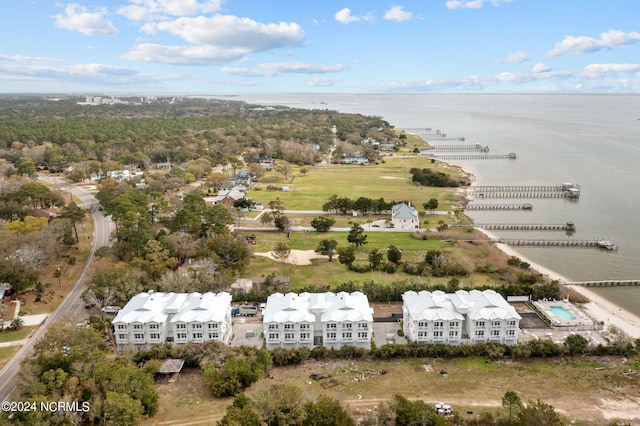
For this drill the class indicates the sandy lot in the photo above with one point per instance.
(296, 257)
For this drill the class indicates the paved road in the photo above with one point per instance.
(72, 307)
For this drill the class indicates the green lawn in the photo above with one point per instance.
(13, 335)
(391, 181)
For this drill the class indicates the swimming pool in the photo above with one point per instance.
(561, 312)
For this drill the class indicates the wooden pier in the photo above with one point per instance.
(605, 283)
(510, 156)
(444, 138)
(569, 226)
(459, 148)
(599, 243)
(566, 190)
(524, 206)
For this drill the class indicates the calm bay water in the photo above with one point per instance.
(590, 140)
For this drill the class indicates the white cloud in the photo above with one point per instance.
(602, 70)
(540, 67)
(143, 10)
(516, 57)
(275, 68)
(344, 16)
(231, 32)
(21, 58)
(584, 44)
(323, 82)
(473, 4)
(183, 55)
(79, 18)
(398, 14)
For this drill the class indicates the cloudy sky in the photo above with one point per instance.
(349, 46)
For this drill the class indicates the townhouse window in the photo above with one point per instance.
(495, 333)
(273, 326)
(511, 323)
(154, 336)
(511, 333)
(422, 324)
(181, 326)
(153, 326)
(138, 336)
(196, 326)
(304, 336)
(331, 335)
(122, 326)
(453, 333)
(288, 337)
(332, 326)
(453, 324)
(363, 326)
(137, 326)
(347, 335)
(304, 326)
(363, 335)
(182, 336)
(422, 334)
(213, 325)
(479, 333)
(437, 334)
(197, 335)
(438, 324)
(288, 327)
(347, 326)
(495, 324)
(122, 336)
(213, 335)
(480, 324)
(274, 336)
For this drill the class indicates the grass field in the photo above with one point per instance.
(589, 391)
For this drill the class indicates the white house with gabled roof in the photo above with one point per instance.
(318, 319)
(461, 317)
(404, 216)
(177, 318)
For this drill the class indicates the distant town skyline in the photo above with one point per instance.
(286, 46)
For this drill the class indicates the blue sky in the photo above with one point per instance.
(298, 46)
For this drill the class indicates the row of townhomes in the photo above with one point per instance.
(318, 319)
(154, 317)
(464, 316)
(332, 320)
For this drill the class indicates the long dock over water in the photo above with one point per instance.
(459, 148)
(569, 226)
(510, 156)
(475, 206)
(599, 243)
(605, 283)
(566, 190)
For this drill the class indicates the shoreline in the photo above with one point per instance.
(599, 308)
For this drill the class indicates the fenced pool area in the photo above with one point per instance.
(562, 313)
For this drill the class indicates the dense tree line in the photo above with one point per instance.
(364, 205)
(428, 177)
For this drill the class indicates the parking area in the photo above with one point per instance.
(247, 331)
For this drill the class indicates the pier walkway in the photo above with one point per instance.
(524, 206)
(569, 226)
(566, 190)
(600, 243)
(459, 148)
(604, 283)
(510, 156)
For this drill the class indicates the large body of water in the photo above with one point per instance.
(590, 140)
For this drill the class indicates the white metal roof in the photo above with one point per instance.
(331, 307)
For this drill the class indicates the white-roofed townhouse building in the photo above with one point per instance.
(318, 319)
(154, 317)
(461, 317)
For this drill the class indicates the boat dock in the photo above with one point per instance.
(459, 148)
(569, 226)
(524, 206)
(605, 283)
(566, 190)
(510, 156)
(599, 243)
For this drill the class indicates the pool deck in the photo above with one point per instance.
(581, 319)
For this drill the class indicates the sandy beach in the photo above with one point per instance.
(599, 309)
